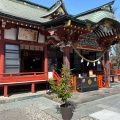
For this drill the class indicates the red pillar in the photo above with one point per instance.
(2, 51)
(118, 78)
(5, 91)
(45, 61)
(33, 87)
(66, 56)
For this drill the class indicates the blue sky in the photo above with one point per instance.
(78, 6)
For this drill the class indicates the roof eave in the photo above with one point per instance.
(95, 9)
(20, 19)
(60, 5)
(64, 18)
(63, 6)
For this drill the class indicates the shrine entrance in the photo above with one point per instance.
(32, 61)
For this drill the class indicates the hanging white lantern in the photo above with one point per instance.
(87, 63)
(98, 62)
(82, 60)
(94, 64)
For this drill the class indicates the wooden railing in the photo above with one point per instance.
(115, 73)
(100, 78)
(56, 76)
(73, 82)
(22, 77)
(101, 81)
(10, 79)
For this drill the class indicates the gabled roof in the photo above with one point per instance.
(62, 5)
(96, 9)
(55, 7)
(23, 9)
(97, 14)
(31, 12)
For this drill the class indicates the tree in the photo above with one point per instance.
(115, 56)
(115, 51)
(63, 88)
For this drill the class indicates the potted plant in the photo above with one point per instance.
(63, 90)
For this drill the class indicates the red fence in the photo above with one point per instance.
(10, 79)
(22, 77)
(115, 73)
(56, 76)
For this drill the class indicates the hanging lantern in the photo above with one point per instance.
(98, 62)
(94, 64)
(82, 60)
(87, 63)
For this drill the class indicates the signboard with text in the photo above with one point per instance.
(27, 34)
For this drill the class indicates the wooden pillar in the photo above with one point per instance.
(66, 56)
(33, 87)
(107, 69)
(1, 51)
(5, 91)
(45, 61)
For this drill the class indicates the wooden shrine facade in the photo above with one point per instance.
(33, 45)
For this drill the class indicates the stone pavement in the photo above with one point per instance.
(102, 104)
(84, 97)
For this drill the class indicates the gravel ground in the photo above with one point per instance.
(25, 113)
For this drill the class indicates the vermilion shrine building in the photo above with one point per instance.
(35, 40)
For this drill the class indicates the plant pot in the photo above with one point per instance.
(66, 111)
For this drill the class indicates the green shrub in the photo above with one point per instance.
(62, 88)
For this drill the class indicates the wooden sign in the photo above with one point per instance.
(27, 34)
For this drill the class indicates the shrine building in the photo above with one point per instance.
(36, 40)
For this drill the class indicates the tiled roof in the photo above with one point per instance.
(103, 7)
(21, 9)
(28, 11)
(97, 16)
(98, 13)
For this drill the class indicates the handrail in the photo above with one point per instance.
(20, 73)
(56, 76)
(22, 76)
(113, 72)
(10, 79)
(101, 81)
